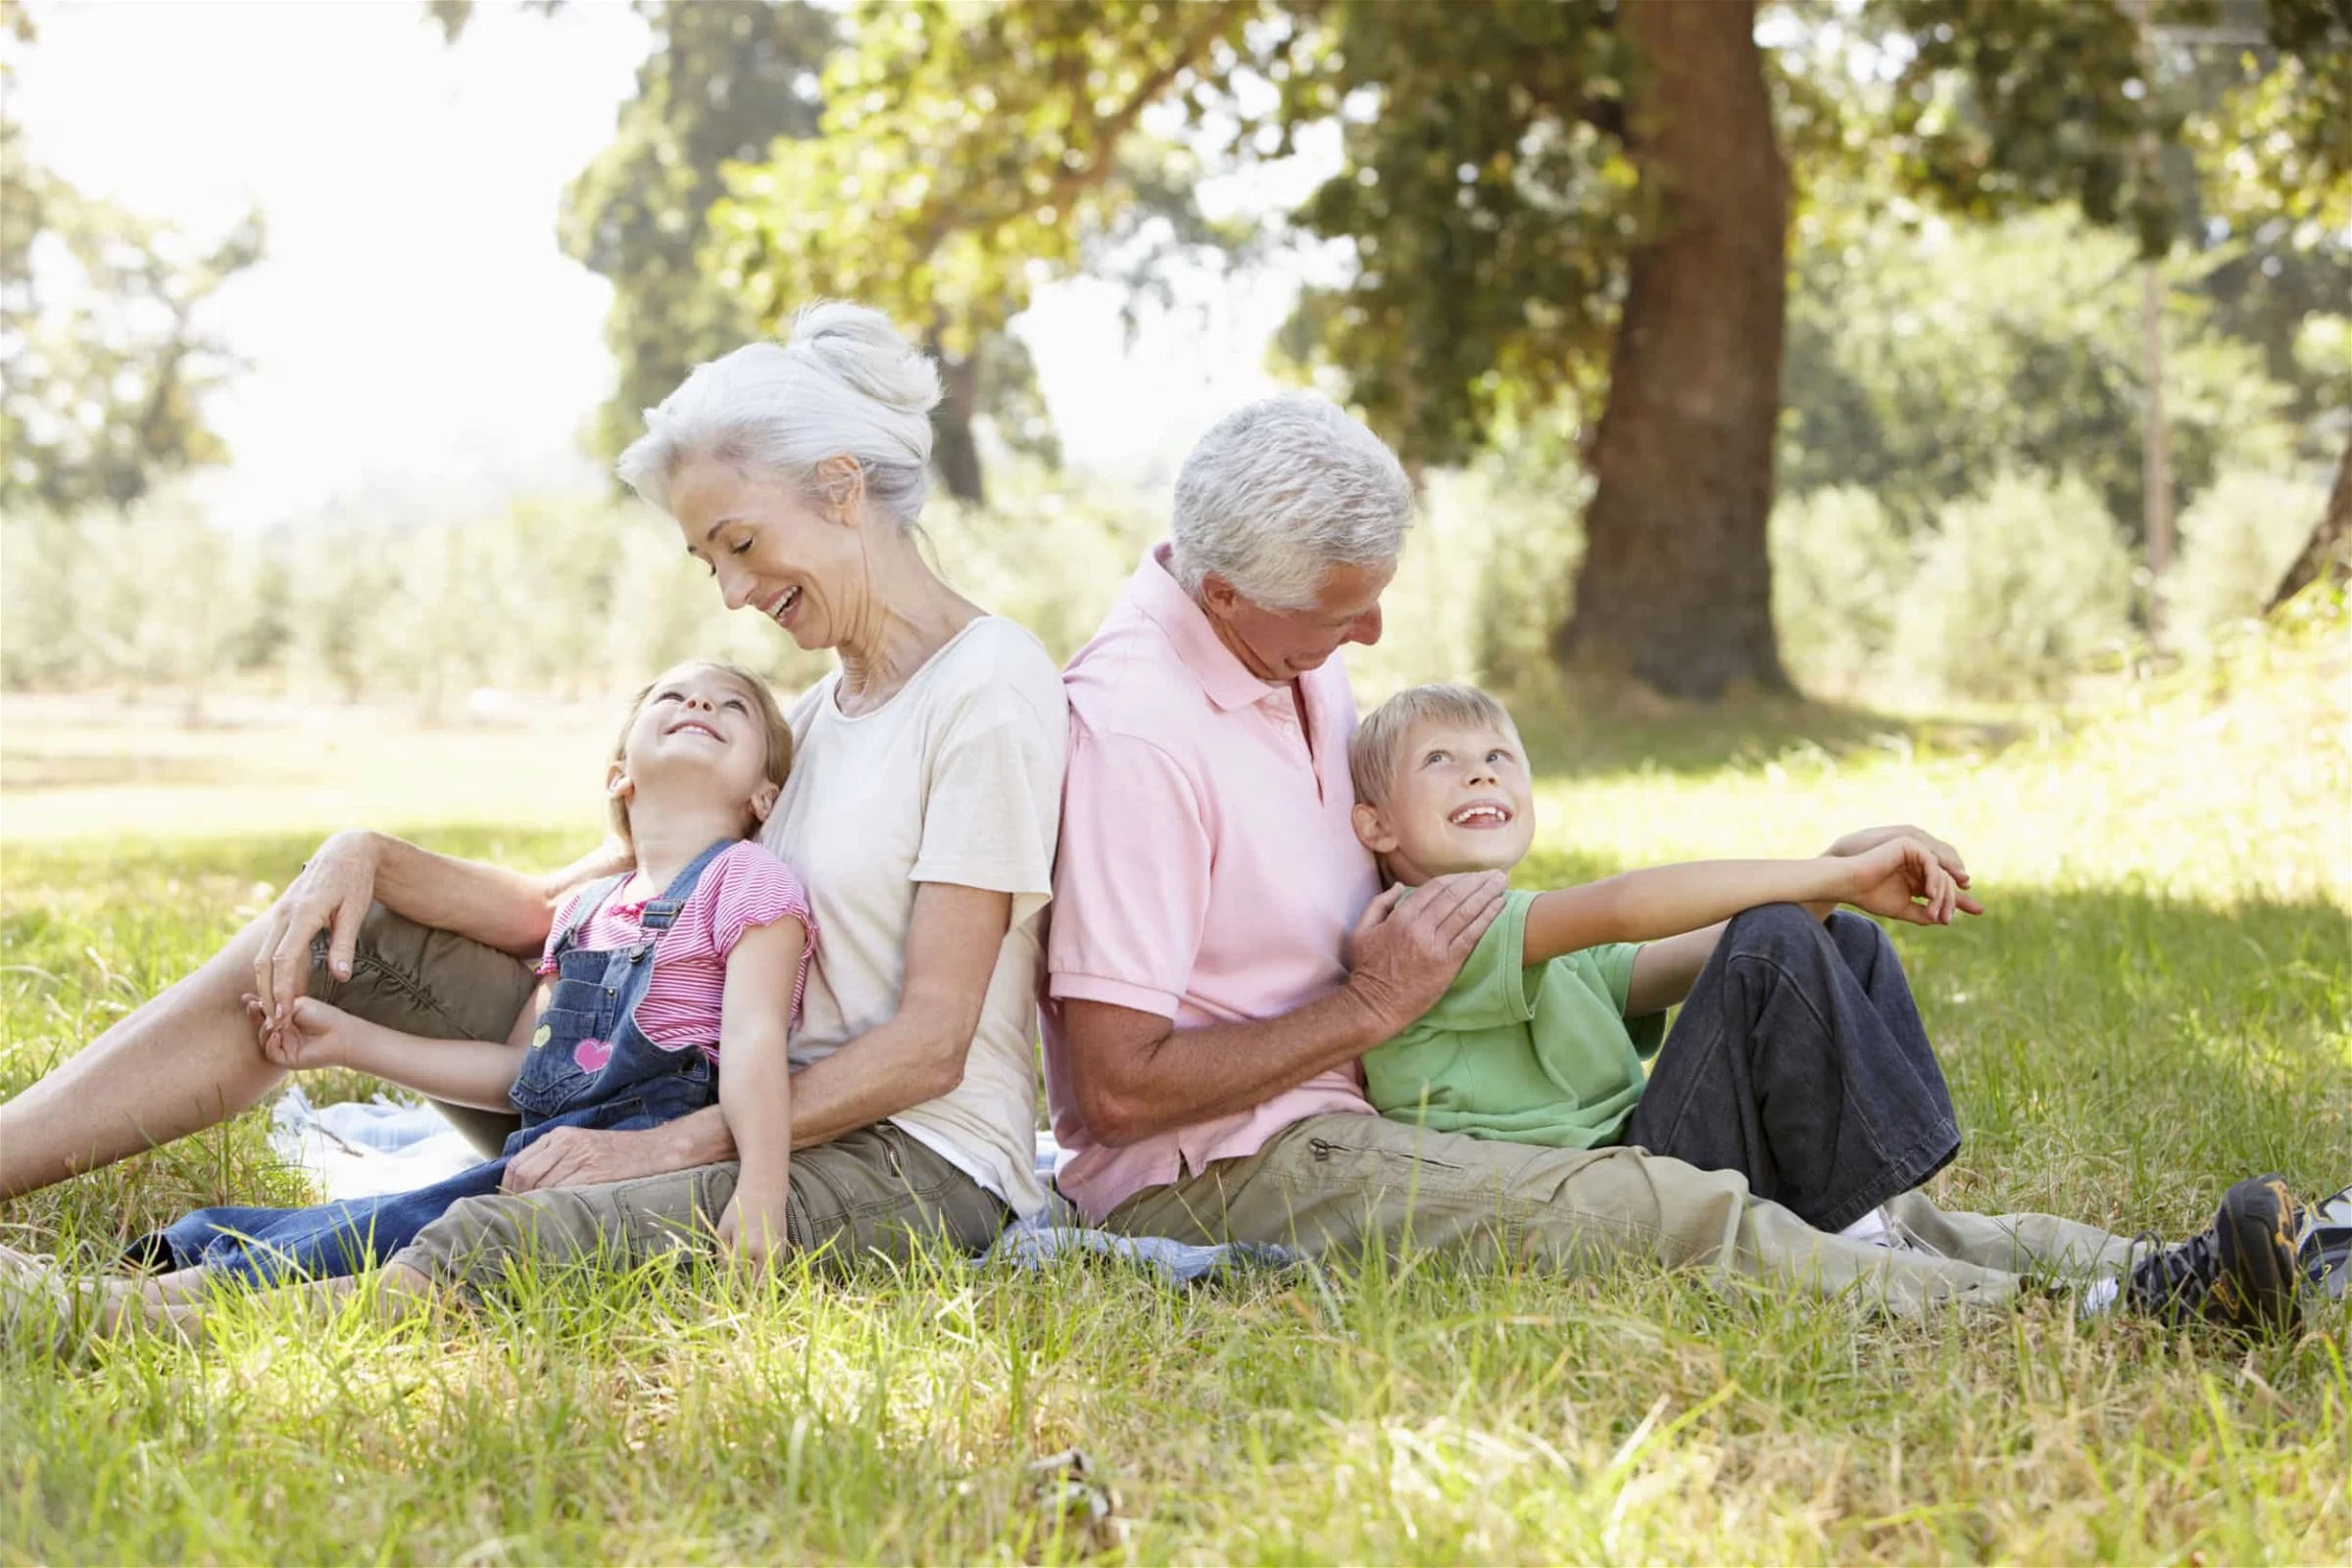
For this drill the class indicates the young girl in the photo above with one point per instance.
(648, 981)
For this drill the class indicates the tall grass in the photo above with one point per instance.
(2159, 1001)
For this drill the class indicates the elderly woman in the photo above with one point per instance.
(922, 814)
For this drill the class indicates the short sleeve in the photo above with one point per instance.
(1613, 962)
(1132, 892)
(1496, 988)
(750, 887)
(992, 802)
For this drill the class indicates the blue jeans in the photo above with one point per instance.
(1800, 1062)
(277, 1245)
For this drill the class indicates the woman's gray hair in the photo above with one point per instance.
(1282, 491)
(844, 383)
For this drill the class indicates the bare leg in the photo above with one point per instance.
(185, 1061)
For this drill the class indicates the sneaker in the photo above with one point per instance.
(2239, 1272)
(2323, 1249)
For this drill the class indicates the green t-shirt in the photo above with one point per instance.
(1528, 1054)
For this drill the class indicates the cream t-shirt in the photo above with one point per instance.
(957, 778)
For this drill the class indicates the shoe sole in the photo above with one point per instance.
(2256, 1232)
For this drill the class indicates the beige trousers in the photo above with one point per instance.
(1341, 1182)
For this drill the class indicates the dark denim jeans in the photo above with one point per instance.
(1800, 1062)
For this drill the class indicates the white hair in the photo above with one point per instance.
(844, 383)
(1282, 491)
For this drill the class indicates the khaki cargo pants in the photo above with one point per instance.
(875, 1190)
(1341, 1181)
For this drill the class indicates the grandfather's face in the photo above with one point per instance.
(1285, 644)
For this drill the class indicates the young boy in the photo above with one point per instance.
(1798, 1059)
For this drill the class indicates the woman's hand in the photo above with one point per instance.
(1902, 879)
(331, 895)
(582, 1156)
(752, 1230)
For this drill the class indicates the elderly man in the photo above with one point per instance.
(1221, 953)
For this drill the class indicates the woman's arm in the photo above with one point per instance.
(502, 909)
(755, 1083)
(918, 1053)
(1669, 901)
(915, 1055)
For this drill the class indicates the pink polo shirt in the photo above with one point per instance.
(1207, 874)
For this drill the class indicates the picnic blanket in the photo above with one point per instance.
(359, 1148)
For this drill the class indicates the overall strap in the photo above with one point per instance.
(592, 898)
(661, 912)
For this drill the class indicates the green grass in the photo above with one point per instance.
(2160, 1002)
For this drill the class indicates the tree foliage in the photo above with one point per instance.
(106, 354)
(1494, 195)
(719, 86)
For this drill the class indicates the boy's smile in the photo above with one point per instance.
(1460, 802)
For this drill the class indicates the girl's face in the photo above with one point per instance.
(797, 559)
(697, 736)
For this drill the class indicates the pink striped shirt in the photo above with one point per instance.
(747, 885)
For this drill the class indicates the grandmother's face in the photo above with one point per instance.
(772, 547)
(1285, 644)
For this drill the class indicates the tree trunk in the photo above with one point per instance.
(1675, 590)
(953, 448)
(2328, 554)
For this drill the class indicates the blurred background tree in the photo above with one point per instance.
(1581, 203)
(106, 354)
(1713, 332)
(721, 84)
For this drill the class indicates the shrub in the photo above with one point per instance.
(1840, 572)
(2018, 591)
(2236, 540)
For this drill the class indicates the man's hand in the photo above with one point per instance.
(1410, 943)
(580, 1157)
(1865, 840)
(751, 1229)
(1889, 879)
(331, 895)
(315, 1034)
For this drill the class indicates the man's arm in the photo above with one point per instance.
(1136, 1074)
(915, 1055)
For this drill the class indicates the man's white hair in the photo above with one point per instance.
(1282, 491)
(843, 384)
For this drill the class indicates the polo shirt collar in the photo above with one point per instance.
(1162, 598)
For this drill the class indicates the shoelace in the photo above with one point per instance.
(2161, 1280)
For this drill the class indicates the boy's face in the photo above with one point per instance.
(1460, 802)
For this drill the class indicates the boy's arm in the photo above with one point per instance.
(463, 1072)
(755, 1083)
(1669, 901)
(1664, 971)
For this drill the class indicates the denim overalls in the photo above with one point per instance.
(589, 1066)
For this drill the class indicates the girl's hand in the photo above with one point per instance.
(752, 1230)
(313, 1035)
(1903, 879)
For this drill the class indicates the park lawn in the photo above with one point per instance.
(2160, 1002)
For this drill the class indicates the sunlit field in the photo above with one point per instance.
(2159, 1001)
